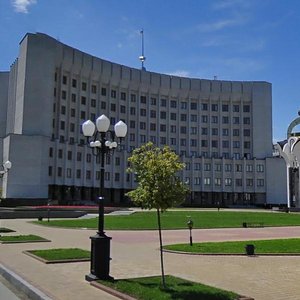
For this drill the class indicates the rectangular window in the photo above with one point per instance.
(183, 105)
(260, 168)
(103, 91)
(238, 167)
(69, 155)
(62, 125)
(113, 107)
(193, 106)
(83, 86)
(152, 113)
(246, 108)
(69, 173)
(132, 111)
(193, 130)
(228, 181)
(143, 125)
(214, 131)
(163, 102)
(133, 98)
(218, 167)
(249, 182)
(173, 116)
(197, 180)
(163, 127)
(236, 120)
(117, 177)
(236, 144)
(113, 94)
(193, 143)
(93, 102)
(182, 142)
(132, 137)
(249, 168)
(224, 107)
(193, 118)
(173, 104)
(246, 132)
(103, 105)
(214, 144)
(236, 108)
(204, 119)
(163, 115)
(152, 126)
(79, 155)
(204, 131)
(78, 173)
(132, 124)
(204, 106)
(64, 95)
(123, 96)
(94, 89)
(217, 181)
(63, 110)
(260, 182)
(225, 120)
(225, 132)
(247, 145)
(50, 171)
(143, 99)
(64, 79)
(59, 172)
(207, 181)
(235, 132)
(163, 140)
(204, 143)
(238, 182)
(153, 101)
(214, 119)
(143, 112)
(83, 100)
(228, 167)
(173, 128)
(214, 107)
(123, 109)
(207, 167)
(197, 166)
(183, 129)
(183, 117)
(225, 144)
(88, 174)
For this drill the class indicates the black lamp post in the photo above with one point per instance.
(190, 224)
(101, 146)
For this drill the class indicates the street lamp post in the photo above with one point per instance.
(190, 225)
(97, 137)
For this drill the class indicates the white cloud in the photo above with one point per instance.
(219, 25)
(21, 6)
(224, 4)
(180, 73)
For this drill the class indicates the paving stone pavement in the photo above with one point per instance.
(135, 254)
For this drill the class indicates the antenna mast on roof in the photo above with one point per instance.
(142, 58)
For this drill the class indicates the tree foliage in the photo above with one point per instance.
(156, 173)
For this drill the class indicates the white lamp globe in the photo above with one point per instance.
(88, 128)
(7, 165)
(121, 129)
(102, 123)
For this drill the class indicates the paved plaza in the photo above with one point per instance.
(135, 254)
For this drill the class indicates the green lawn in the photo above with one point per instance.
(149, 288)
(278, 246)
(21, 238)
(178, 220)
(61, 254)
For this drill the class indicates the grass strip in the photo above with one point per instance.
(178, 220)
(22, 239)
(149, 288)
(5, 230)
(61, 254)
(276, 246)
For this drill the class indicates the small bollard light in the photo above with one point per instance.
(190, 224)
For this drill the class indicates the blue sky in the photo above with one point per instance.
(231, 39)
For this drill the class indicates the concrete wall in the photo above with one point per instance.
(276, 181)
(4, 77)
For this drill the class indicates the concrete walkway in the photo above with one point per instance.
(135, 254)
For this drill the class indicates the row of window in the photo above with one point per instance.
(227, 181)
(227, 167)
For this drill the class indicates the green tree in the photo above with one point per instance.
(159, 187)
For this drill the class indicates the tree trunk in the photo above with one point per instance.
(161, 251)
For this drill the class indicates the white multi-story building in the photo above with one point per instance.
(221, 129)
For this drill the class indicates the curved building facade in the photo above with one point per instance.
(222, 130)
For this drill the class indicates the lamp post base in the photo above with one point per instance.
(100, 258)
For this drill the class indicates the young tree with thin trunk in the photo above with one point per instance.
(159, 186)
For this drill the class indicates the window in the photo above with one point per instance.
(132, 111)
(133, 98)
(183, 129)
(218, 167)
(69, 173)
(249, 182)
(88, 174)
(236, 155)
(72, 127)
(225, 120)
(187, 166)
(207, 167)
(228, 167)
(79, 155)
(107, 176)
(64, 79)
(214, 131)
(246, 108)
(173, 104)
(63, 110)
(143, 112)
(113, 107)
(224, 107)
(103, 105)
(207, 181)
(246, 132)
(204, 119)
(235, 132)
(193, 105)
(204, 130)
(236, 120)
(50, 152)
(59, 171)
(132, 124)
(183, 117)
(50, 171)
(117, 176)
(163, 140)
(239, 168)
(217, 181)
(94, 89)
(83, 86)
(73, 98)
(204, 143)
(83, 100)
(260, 168)
(225, 132)
(246, 121)
(204, 106)
(69, 155)
(62, 125)
(64, 95)
(247, 145)
(193, 143)
(132, 137)
(173, 116)
(173, 128)
(225, 144)
(163, 115)
(197, 180)
(173, 141)
(88, 158)
(249, 168)
(236, 144)
(143, 125)
(214, 119)
(163, 102)
(163, 127)
(214, 107)
(123, 109)
(113, 93)
(260, 182)
(103, 91)
(193, 118)
(228, 181)
(82, 114)
(197, 166)
(236, 108)
(78, 173)
(183, 105)
(153, 101)
(142, 138)
(193, 130)
(182, 142)
(152, 126)
(238, 182)
(143, 99)
(214, 144)
(152, 113)
(123, 96)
